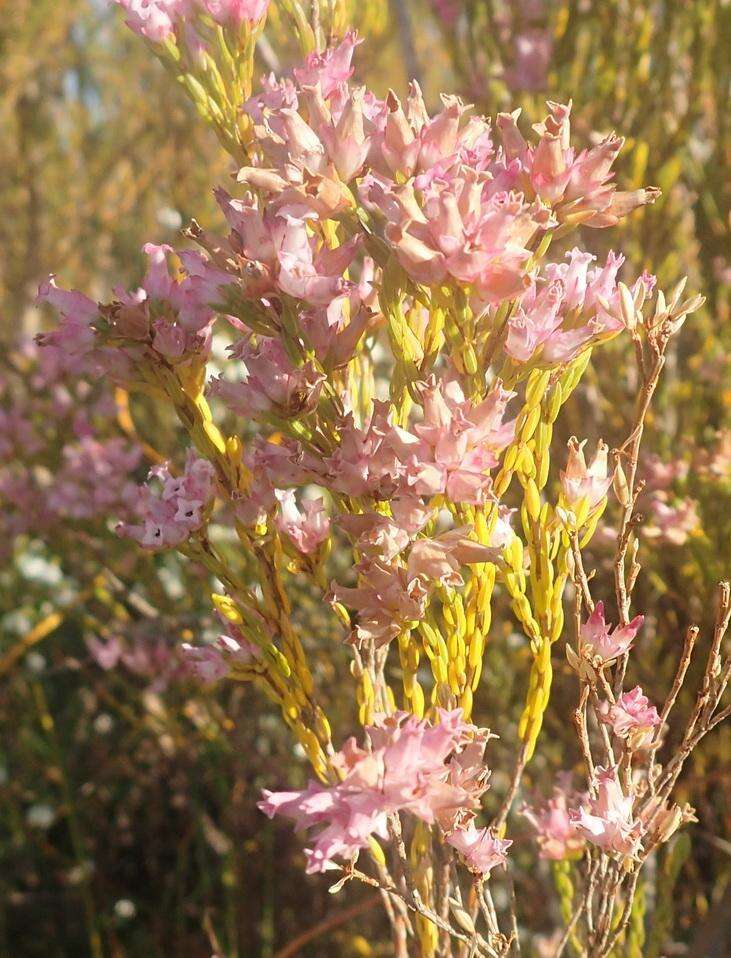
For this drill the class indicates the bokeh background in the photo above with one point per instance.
(127, 791)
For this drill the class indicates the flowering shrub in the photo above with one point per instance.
(382, 427)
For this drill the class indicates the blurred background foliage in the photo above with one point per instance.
(127, 792)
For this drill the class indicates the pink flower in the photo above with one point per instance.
(606, 645)
(236, 11)
(408, 765)
(607, 820)
(373, 459)
(219, 659)
(384, 537)
(447, 11)
(632, 717)
(307, 528)
(531, 59)
(73, 341)
(582, 485)
(95, 479)
(556, 834)
(575, 306)
(331, 69)
(480, 850)
(575, 185)
(660, 475)
(672, 522)
(170, 514)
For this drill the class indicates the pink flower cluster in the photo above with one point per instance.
(57, 460)
(156, 20)
(571, 306)
(169, 514)
(391, 597)
(451, 451)
(149, 656)
(435, 772)
(556, 832)
(608, 819)
(170, 315)
(632, 718)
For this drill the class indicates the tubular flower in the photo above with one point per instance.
(607, 820)
(584, 487)
(632, 717)
(603, 644)
(406, 765)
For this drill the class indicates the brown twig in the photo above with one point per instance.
(327, 924)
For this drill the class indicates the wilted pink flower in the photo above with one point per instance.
(308, 527)
(661, 819)
(386, 600)
(556, 834)
(604, 643)
(632, 717)
(175, 510)
(440, 559)
(584, 485)
(480, 850)
(608, 820)
(272, 385)
(407, 765)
